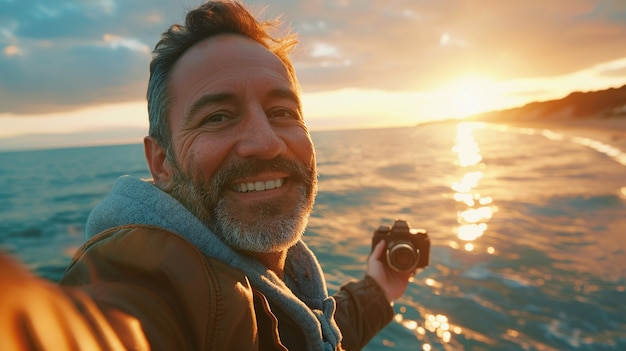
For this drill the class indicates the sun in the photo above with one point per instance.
(469, 95)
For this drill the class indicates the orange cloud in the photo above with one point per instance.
(12, 50)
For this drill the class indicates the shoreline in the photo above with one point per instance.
(609, 131)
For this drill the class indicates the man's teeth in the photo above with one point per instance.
(259, 186)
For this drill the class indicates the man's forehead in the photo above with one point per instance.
(229, 51)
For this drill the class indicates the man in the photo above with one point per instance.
(208, 255)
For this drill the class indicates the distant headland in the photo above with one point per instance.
(602, 104)
(595, 115)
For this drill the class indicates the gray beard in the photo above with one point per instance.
(204, 199)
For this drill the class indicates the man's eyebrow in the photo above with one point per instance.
(287, 93)
(206, 100)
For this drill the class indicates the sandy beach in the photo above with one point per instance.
(610, 131)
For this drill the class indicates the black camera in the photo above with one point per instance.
(407, 249)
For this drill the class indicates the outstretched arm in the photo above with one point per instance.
(36, 314)
(136, 288)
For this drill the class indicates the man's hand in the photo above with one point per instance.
(393, 283)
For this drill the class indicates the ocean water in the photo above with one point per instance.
(528, 227)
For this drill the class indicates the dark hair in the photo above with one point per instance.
(209, 19)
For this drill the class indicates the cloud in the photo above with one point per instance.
(66, 55)
(62, 55)
(42, 80)
(116, 42)
(12, 50)
(615, 68)
(419, 45)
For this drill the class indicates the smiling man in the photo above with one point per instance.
(209, 254)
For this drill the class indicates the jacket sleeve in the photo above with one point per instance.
(36, 314)
(134, 289)
(362, 311)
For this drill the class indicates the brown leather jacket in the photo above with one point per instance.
(141, 288)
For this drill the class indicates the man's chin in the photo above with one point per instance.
(265, 225)
(263, 235)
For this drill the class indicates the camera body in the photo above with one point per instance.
(407, 249)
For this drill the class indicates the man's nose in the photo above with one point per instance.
(260, 138)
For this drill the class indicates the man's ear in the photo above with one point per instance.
(160, 167)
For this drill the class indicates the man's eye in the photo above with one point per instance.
(284, 113)
(216, 119)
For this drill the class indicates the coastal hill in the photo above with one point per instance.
(602, 104)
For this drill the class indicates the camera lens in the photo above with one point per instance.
(402, 257)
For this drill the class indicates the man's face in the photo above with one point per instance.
(244, 162)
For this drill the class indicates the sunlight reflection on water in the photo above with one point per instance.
(473, 219)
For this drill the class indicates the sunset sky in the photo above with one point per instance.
(74, 72)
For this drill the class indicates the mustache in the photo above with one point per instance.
(227, 175)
